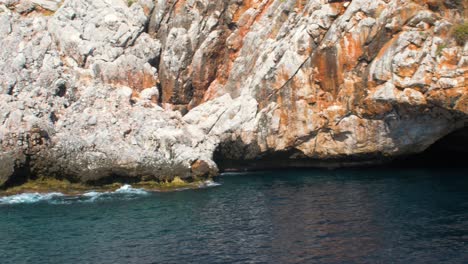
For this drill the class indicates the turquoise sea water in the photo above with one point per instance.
(302, 216)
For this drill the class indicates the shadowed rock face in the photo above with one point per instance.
(97, 88)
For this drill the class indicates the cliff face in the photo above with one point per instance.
(154, 89)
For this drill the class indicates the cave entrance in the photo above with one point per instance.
(267, 161)
(450, 151)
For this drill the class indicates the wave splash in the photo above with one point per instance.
(27, 198)
(128, 189)
(125, 192)
(209, 183)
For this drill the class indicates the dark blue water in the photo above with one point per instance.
(313, 216)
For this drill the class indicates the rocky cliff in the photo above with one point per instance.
(92, 89)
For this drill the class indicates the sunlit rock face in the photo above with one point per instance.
(152, 89)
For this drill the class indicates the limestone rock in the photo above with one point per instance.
(93, 89)
(51, 5)
(7, 167)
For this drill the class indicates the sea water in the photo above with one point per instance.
(285, 216)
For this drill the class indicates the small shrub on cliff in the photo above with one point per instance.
(441, 48)
(130, 2)
(460, 33)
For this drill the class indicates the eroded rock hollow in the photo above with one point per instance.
(91, 89)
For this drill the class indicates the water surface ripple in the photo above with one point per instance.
(309, 216)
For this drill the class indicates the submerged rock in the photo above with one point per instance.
(96, 89)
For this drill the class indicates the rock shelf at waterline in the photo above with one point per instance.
(49, 188)
(125, 192)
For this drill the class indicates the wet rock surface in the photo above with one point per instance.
(91, 89)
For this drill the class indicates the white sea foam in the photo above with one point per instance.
(128, 189)
(210, 183)
(92, 196)
(27, 198)
(124, 192)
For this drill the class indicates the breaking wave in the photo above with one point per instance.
(28, 198)
(126, 192)
(210, 183)
(128, 189)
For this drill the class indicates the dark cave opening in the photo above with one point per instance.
(450, 151)
(114, 178)
(22, 173)
(228, 156)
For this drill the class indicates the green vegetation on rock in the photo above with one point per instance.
(43, 185)
(440, 48)
(460, 33)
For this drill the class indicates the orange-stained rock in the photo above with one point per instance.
(200, 168)
(166, 88)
